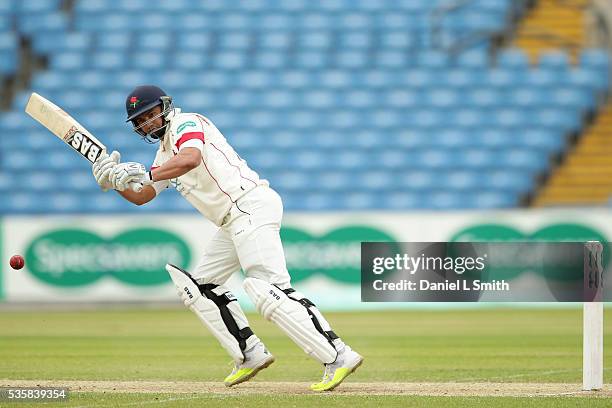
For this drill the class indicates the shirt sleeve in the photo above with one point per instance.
(159, 186)
(188, 131)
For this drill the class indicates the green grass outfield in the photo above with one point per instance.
(168, 349)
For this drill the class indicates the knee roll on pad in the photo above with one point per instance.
(293, 317)
(213, 308)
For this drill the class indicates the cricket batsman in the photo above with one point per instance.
(196, 158)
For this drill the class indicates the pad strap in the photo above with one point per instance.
(241, 335)
(329, 335)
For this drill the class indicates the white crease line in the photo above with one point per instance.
(558, 394)
(486, 379)
(501, 377)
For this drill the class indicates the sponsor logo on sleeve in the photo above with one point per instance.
(187, 124)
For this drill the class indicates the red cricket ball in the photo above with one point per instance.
(17, 262)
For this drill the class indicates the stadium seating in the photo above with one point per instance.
(341, 104)
(9, 58)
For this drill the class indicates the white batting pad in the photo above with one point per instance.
(207, 311)
(291, 317)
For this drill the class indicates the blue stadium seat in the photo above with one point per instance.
(441, 200)
(29, 7)
(467, 118)
(482, 98)
(15, 121)
(188, 61)
(18, 161)
(40, 24)
(400, 201)
(43, 183)
(359, 201)
(391, 59)
(6, 22)
(112, 41)
(378, 78)
(193, 41)
(149, 60)
(229, 60)
(390, 20)
(91, 6)
(488, 200)
(433, 60)
(584, 79)
(554, 60)
(473, 60)
(235, 41)
(461, 78)
(271, 60)
(514, 59)
(68, 61)
(598, 59)
(461, 181)
(22, 203)
(7, 7)
(312, 59)
(439, 98)
(502, 78)
(57, 42)
(315, 202)
(399, 39)
(315, 21)
(403, 99)
(508, 181)
(8, 41)
(8, 62)
(351, 60)
(567, 120)
(7, 183)
(154, 42)
(314, 39)
(133, 5)
(292, 180)
(419, 78)
(528, 98)
(276, 40)
(573, 98)
(544, 78)
(113, 60)
(355, 39)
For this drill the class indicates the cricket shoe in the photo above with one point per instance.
(347, 362)
(256, 359)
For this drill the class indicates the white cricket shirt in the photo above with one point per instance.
(222, 177)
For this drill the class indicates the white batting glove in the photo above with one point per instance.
(102, 169)
(131, 172)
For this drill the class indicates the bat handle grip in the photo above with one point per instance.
(136, 187)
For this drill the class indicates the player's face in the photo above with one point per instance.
(145, 120)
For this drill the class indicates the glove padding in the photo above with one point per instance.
(131, 172)
(102, 169)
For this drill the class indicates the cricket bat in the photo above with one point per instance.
(67, 129)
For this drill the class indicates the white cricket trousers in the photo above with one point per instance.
(249, 238)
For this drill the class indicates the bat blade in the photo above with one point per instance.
(65, 127)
